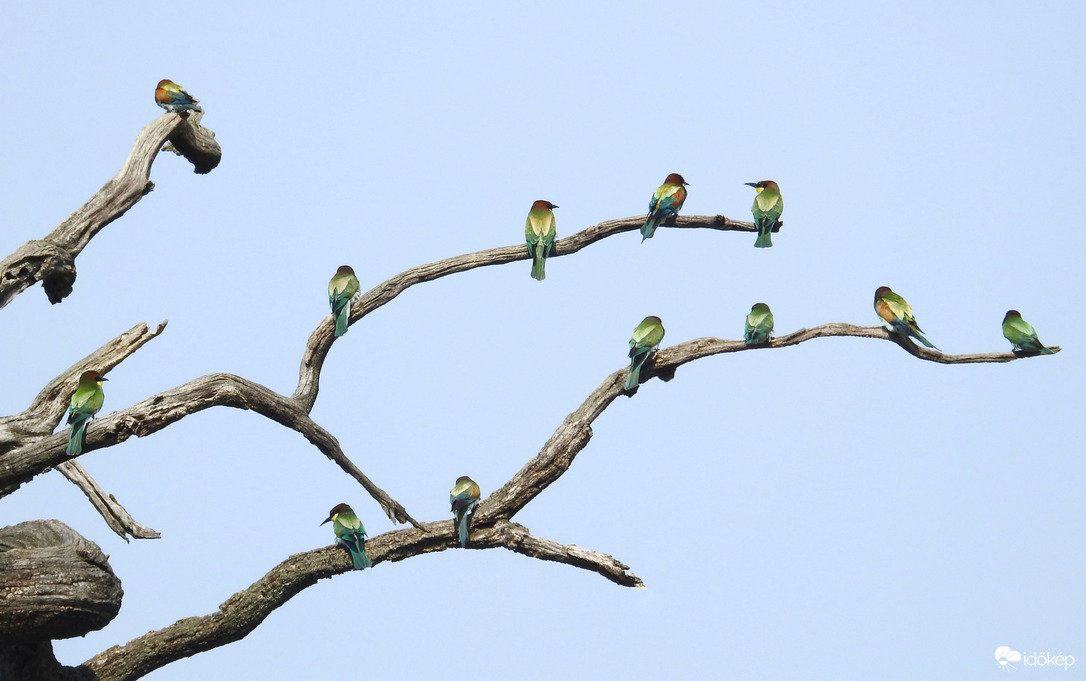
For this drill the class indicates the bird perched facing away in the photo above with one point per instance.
(539, 233)
(172, 97)
(464, 497)
(666, 201)
(758, 328)
(767, 209)
(86, 401)
(897, 315)
(350, 533)
(342, 288)
(1021, 335)
(646, 338)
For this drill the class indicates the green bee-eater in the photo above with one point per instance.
(342, 288)
(1021, 335)
(86, 401)
(646, 338)
(539, 233)
(897, 315)
(767, 209)
(350, 533)
(464, 497)
(758, 328)
(665, 203)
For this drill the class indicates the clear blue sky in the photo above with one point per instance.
(835, 510)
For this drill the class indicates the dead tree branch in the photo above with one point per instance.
(320, 341)
(48, 408)
(115, 515)
(158, 411)
(52, 260)
(573, 434)
(240, 614)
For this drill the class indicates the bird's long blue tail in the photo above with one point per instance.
(649, 228)
(341, 317)
(462, 528)
(75, 437)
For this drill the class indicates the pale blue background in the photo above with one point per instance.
(839, 509)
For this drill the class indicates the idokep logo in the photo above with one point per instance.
(1005, 656)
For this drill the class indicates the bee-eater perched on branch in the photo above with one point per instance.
(666, 201)
(86, 401)
(1021, 335)
(464, 497)
(897, 315)
(350, 533)
(646, 337)
(342, 288)
(758, 327)
(767, 209)
(539, 233)
(172, 97)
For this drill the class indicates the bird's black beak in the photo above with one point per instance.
(326, 521)
(751, 184)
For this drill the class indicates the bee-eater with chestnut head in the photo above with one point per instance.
(464, 497)
(666, 201)
(350, 533)
(86, 401)
(897, 315)
(539, 233)
(172, 97)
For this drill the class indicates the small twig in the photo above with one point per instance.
(115, 515)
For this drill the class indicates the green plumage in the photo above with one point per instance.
(464, 497)
(540, 229)
(767, 209)
(897, 315)
(1022, 335)
(758, 327)
(86, 401)
(342, 288)
(646, 338)
(350, 533)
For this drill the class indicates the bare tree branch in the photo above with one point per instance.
(52, 260)
(240, 614)
(320, 341)
(518, 539)
(575, 431)
(115, 515)
(490, 526)
(46, 410)
(158, 411)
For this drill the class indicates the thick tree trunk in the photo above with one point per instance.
(53, 584)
